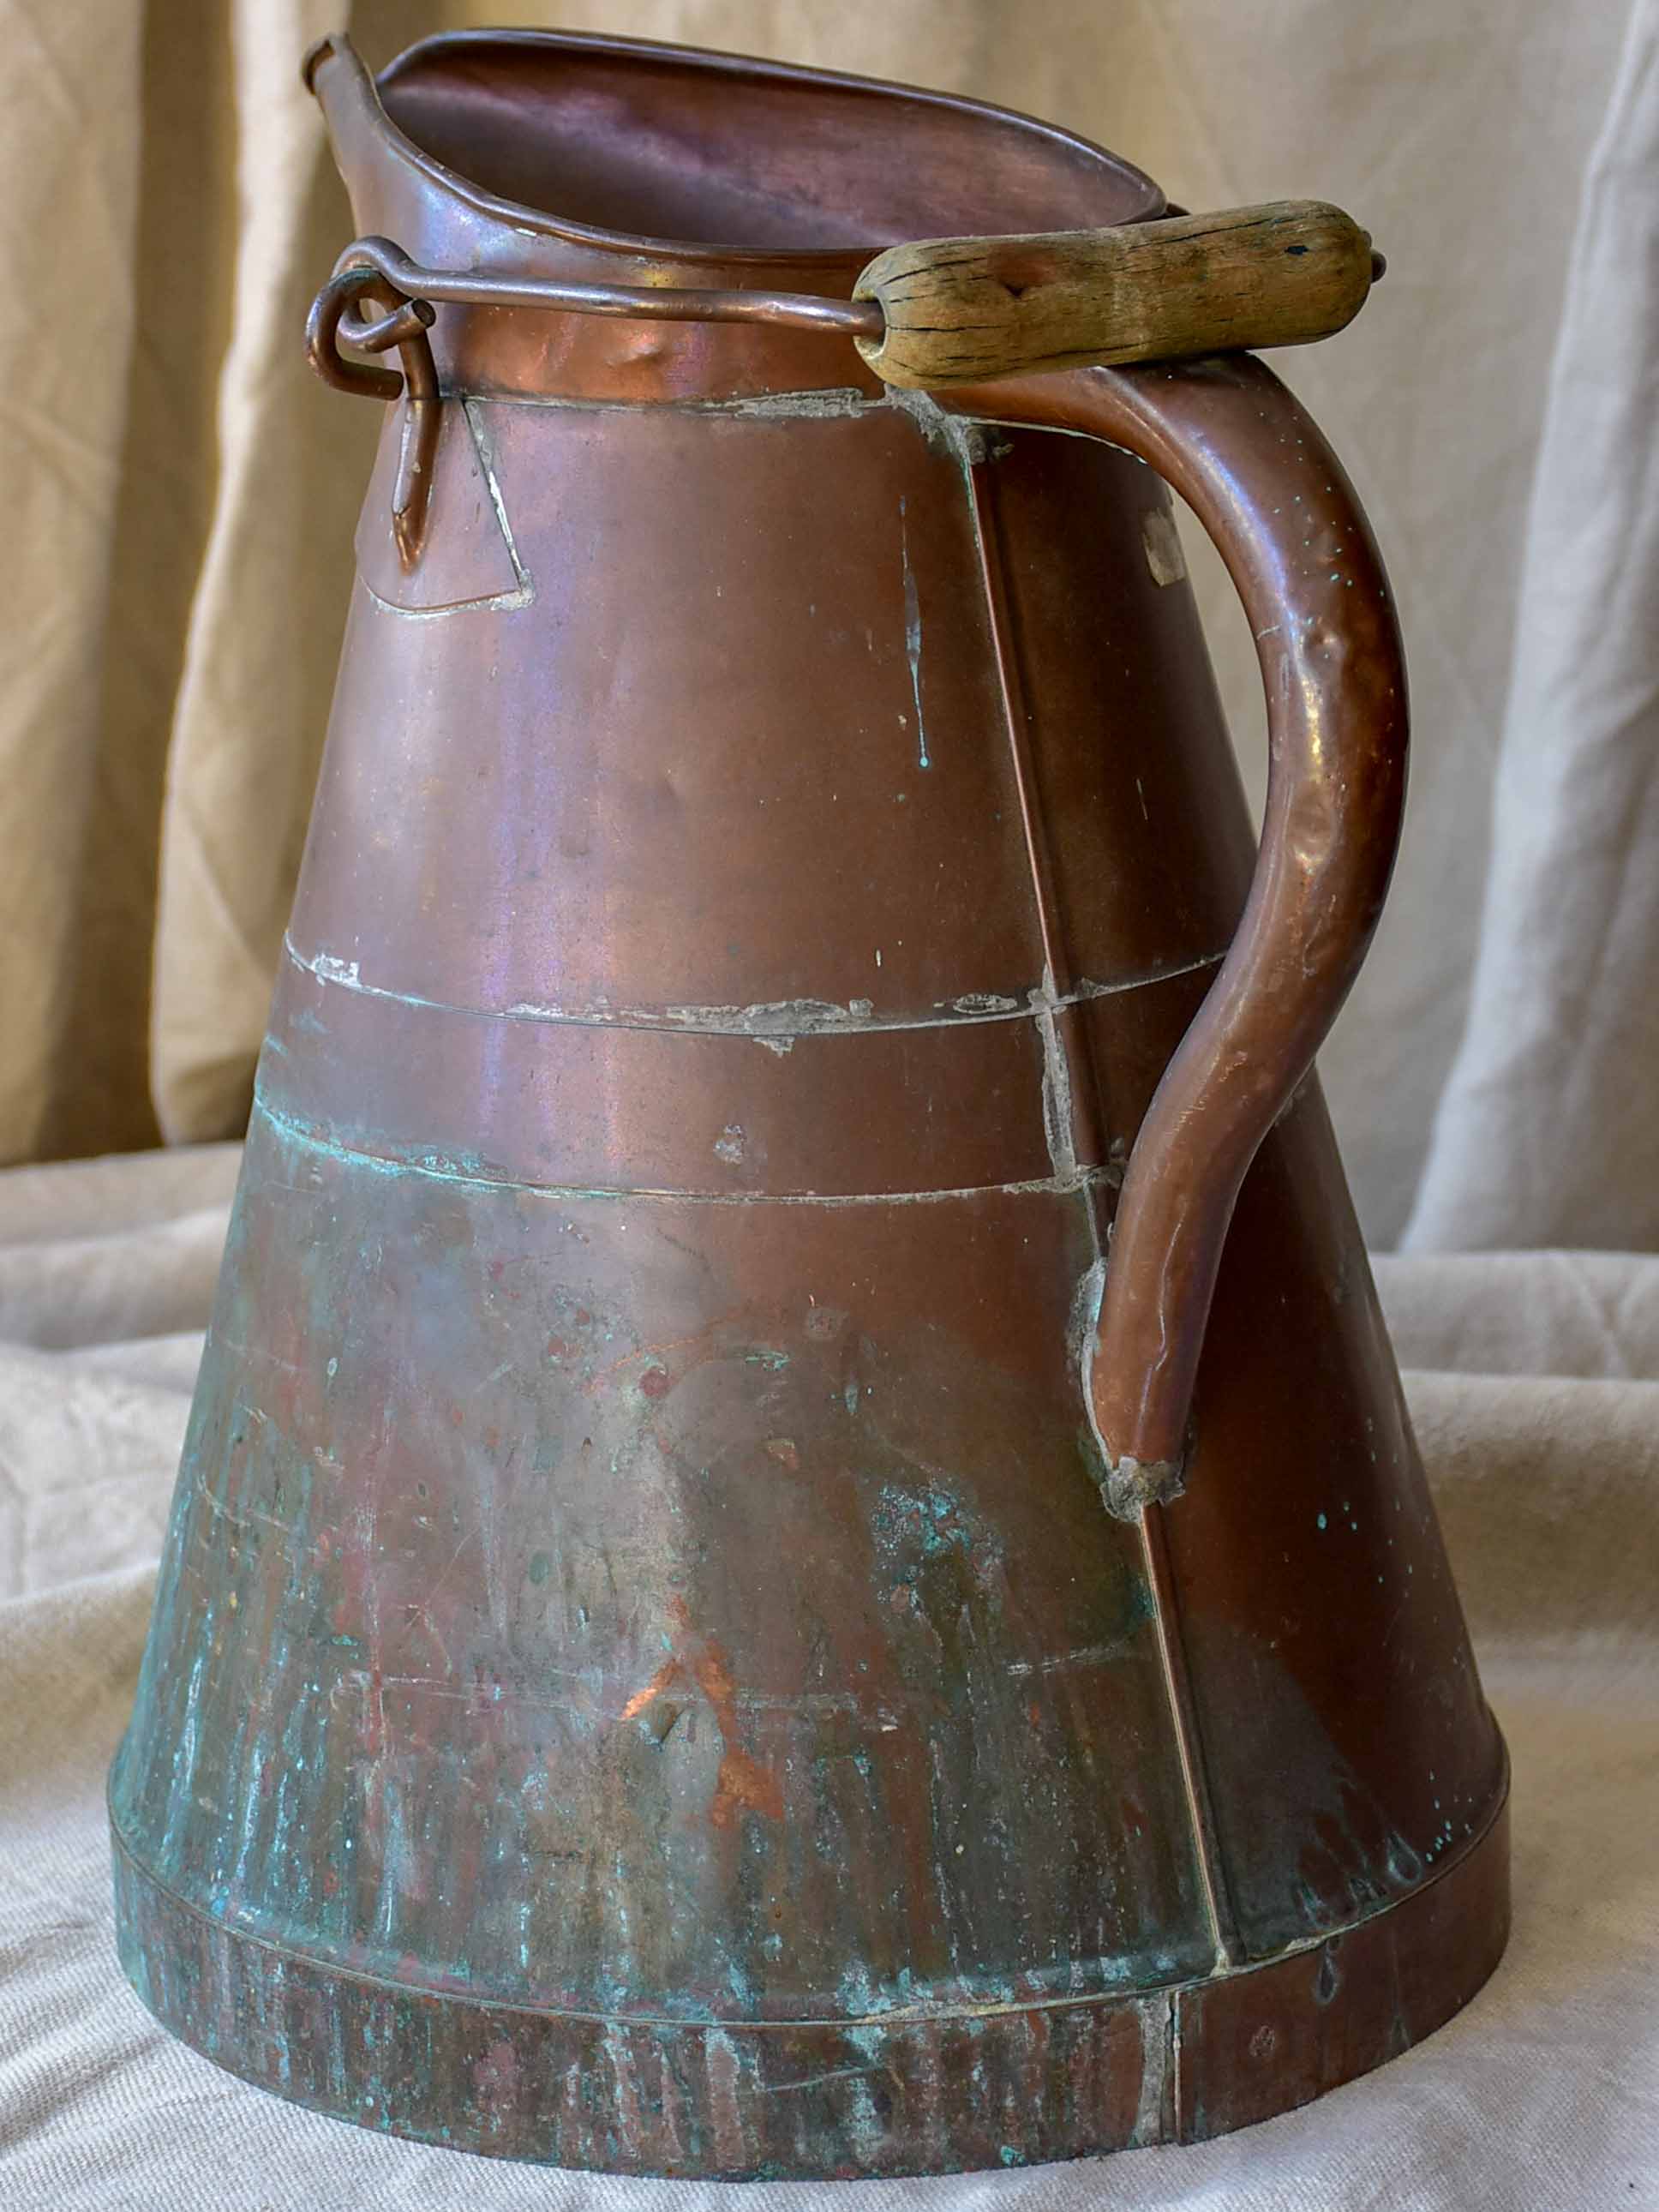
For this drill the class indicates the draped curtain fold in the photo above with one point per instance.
(178, 557)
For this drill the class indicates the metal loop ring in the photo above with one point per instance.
(403, 324)
(405, 321)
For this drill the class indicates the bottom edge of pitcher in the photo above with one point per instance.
(822, 2099)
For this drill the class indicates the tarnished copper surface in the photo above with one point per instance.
(644, 1672)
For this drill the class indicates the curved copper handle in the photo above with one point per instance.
(1228, 436)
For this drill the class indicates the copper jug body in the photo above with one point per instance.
(783, 1566)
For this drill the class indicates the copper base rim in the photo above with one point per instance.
(730, 2101)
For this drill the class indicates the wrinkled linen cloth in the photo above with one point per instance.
(1534, 1381)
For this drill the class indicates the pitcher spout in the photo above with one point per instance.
(580, 159)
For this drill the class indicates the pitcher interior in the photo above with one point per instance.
(623, 137)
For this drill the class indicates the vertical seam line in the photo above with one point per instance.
(1172, 1656)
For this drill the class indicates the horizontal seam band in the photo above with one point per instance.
(748, 1024)
(442, 1169)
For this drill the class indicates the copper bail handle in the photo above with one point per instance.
(953, 311)
(957, 310)
(1249, 461)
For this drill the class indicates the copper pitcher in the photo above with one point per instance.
(799, 1550)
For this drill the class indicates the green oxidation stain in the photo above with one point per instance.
(932, 1516)
(349, 1148)
(1319, 1521)
(541, 1566)
(927, 1539)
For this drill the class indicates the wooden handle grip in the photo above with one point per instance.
(958, 310)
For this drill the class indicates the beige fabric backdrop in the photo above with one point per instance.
(182, 497)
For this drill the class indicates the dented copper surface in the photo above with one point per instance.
(663, 1661)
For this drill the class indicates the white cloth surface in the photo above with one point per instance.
(1534, 1381)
